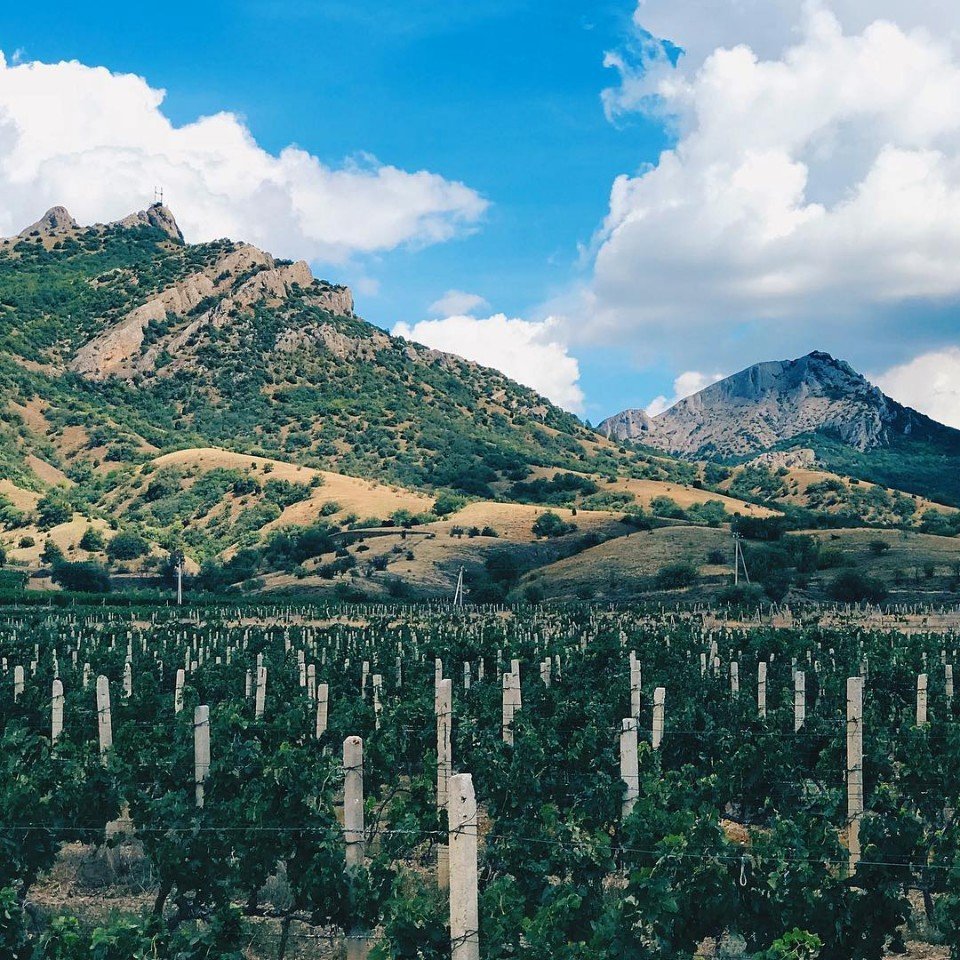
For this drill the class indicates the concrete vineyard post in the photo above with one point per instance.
(629, 766)
(261, 701)
(444, 770)
(734, 678)
(104, 722)
(921, 699)
(18, 683)
(799, 700)
(323, 701)
(948, 684)
(462, 839)
(127, 680)
(201, 750)
(178, 691)
(353, 829)
(762, 689)
(56, 712)
(353, 800)
(659, 696)
(854, 767)
(635, 686)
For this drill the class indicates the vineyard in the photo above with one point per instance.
(300, 782)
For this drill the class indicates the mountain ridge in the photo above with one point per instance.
(815, 401)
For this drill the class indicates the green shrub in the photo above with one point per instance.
(92, 540)
(550, 524)
(850, 586)
(127, 545)
(675, 576)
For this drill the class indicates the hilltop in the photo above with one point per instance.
(812, 411)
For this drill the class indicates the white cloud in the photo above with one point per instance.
(532, 353)
(687, 384)
(929, 383)
(97, 142)
(457, 303)
(815, 178)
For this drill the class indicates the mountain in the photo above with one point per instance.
(121, 341)
(815, 403)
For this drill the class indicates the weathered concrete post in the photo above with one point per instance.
(18, 683)
(799, 700)
(104, 722)
(444, 771)
(464, 903)
(353, 800)
(659, 696)
(353, 829)
(948, 684)
(854, 767)
(734, 678)
(178, 691)
(629, 766)
(261, 700)
(509, 707)
(127, 680)
(323, 702)
(762, 689)
(56, 712)
(635, 685)
(201, 750)
(921, 699)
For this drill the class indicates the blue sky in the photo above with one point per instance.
(494, 94)
(629, 224)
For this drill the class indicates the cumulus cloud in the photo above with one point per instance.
(929, 383)
(97, 142)
(687, 384)
(457, 302)
(532, 353)
(815, 176)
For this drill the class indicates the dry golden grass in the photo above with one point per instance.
(365, 498)
(805, 477)
(645, 491)
(47, 472)
(632, 558)
(20, 498)
(66, 536)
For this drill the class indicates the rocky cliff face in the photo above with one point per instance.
(240, 278)
(770, 403)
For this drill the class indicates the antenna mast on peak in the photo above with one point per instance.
(158, 196)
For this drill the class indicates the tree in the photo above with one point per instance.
(53, 509)
(85, 577)
(51, 553)
(92, 540)
(127, 545)
(549, 524)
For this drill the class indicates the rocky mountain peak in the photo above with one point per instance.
(770, 403)
(156, 215)
(55, 220)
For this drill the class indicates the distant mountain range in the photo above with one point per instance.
(815, 408)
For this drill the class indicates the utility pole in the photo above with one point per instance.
(458, 596)
(738, 561)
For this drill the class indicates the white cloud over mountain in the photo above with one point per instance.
(929, 383)
(97, 142)
(529, 352)
(687, 384)
(814, 181)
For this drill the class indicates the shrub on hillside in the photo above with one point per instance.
(853, 587)
(85, 577)
(92, 539)
(676, 576)
(127, 545)
(549, 524)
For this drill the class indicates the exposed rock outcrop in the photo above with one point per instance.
(770, 403)
(156, 215)
(56, 220)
